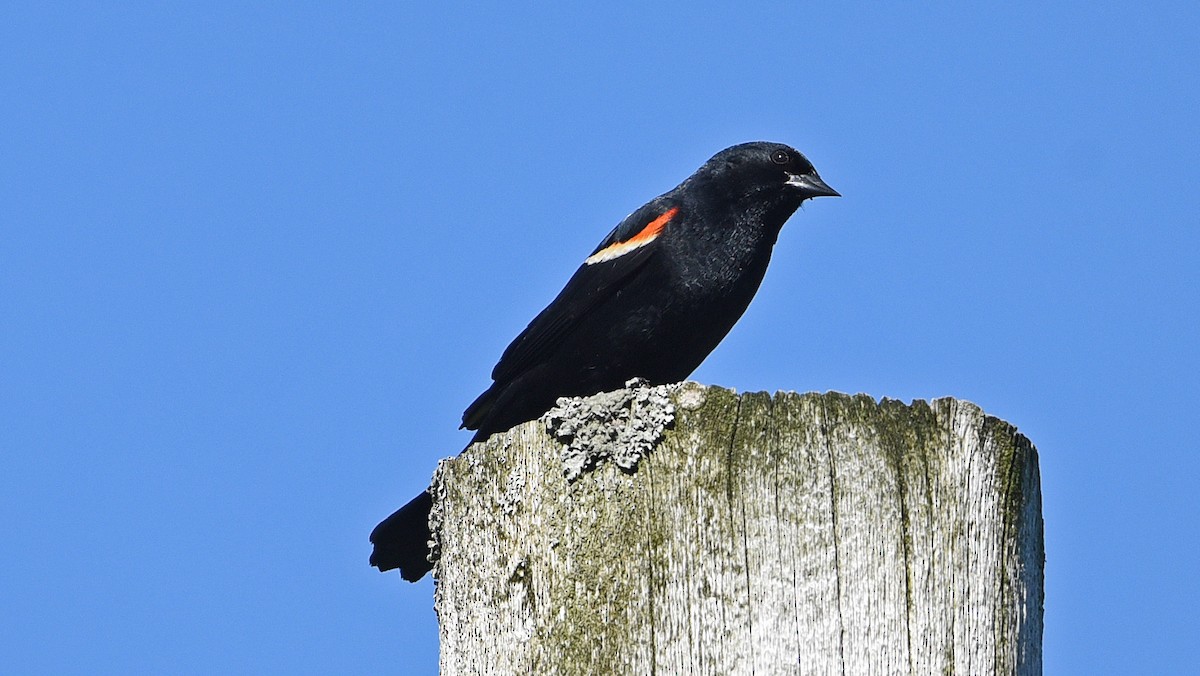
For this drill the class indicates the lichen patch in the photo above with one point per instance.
(622, 425)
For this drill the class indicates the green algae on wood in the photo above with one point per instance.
(793, 533)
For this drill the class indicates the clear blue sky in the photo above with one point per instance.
(256, 261)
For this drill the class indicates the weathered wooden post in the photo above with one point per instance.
(794, 534)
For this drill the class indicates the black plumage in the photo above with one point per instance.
(652, 301)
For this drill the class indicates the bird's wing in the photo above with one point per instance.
(608, 269)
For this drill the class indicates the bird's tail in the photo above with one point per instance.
(402, 540)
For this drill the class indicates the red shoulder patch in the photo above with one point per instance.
(643, 237)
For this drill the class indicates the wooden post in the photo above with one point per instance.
(793, 534)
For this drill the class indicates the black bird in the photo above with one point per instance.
(654, 298)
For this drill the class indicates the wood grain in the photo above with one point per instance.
(785, 534)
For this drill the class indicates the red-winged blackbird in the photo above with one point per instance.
(657, 295)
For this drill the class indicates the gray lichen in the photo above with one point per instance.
(437, 489)
(623, 425)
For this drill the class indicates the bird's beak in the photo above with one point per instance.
(811, 185)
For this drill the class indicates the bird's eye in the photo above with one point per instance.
(780, 157)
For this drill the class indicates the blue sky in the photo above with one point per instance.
(256, 261)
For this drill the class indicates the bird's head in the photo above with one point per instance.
(763, 166)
